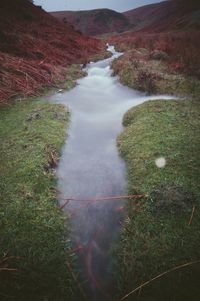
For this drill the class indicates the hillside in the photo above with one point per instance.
(158, 17)
(169, 31)
(95, 22)
(35, 49)
(165, 16)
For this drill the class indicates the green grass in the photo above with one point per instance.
(162, 129)
(33, 234)
(156, 235)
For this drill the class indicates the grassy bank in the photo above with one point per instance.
(178, 49)
(158, 233)
(34, 236)
(71, 74)
(149, 71)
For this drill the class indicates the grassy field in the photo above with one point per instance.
(162, 231)
(158, 234)
(35, 250)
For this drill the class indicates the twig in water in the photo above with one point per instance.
(137, 197)
(76, 211)
(192, 215)
(159, 276)
(65, 204)
(110, 198)
(77, 249)
(76, 281)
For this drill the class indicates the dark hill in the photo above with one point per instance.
(95, 22)
(158, 17)
(165, 16)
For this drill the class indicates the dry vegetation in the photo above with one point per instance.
(36, 49)
(181, 49)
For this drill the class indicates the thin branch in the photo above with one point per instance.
(65, 204)
(8, 270)
(108, 198)
(9, 258)
(192, 215)
(136, 196)
(159, 276)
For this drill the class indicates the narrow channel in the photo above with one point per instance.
(91, 167)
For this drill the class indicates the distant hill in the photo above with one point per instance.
(157, 17)
(34, 48)
(165, 16)
(95, 22)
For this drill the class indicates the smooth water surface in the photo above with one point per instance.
(91, 167)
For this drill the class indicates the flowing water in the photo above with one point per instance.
(91, 167)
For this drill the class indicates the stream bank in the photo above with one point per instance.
(34, 235)
(162, 232)
(32, 232)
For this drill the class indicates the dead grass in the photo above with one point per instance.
(182, 48)
(36, 49)
(139, 70)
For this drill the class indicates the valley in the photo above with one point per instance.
(79, 124)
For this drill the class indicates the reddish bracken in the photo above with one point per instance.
(94, 22)
(35, 49)
(182, 48)
(166, 16)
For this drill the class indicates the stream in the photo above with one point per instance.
(90, 167)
